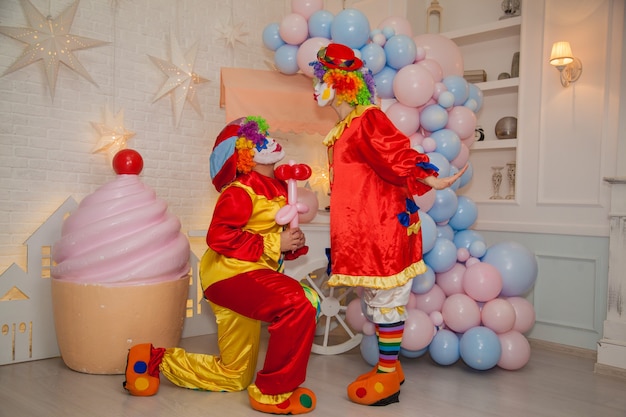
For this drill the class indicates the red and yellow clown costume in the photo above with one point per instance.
(375, 230)
(241, 275)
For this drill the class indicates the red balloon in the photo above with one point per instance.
(127, 161)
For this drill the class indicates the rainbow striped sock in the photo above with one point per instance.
(389, 338)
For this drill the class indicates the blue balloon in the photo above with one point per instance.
(373, 56)
(464, 238)
(440, 162)
(351, 28)
(384, 82)
(433, 117)
(517, 266)
(271, 37)
(412, 354)
(466, 214)
(319, 24)
(478, 249)
(448, 143)
(424, 282)
(388, 31)
(467, 175)
(458, 87)
(445, 205)
(446, 99)
(369, 349)
(477, 95)
(400, 50)
(444, 348)
(480, 348)
(444, 230)
(429, 231)
(285, 59)
(442, 256)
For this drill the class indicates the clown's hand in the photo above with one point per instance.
(439, 183)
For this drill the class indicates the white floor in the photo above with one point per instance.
(551, 384)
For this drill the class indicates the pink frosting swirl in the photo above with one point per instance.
(122, 234)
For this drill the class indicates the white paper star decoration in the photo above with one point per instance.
(231, 33)
(49, 41)
(113, 134)
(182, 80)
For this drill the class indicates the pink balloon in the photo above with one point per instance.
(434, 68)
(462, 158)
(306, 8)
(307, 198)
(461, 121)
(460, 313)
(293, 29)
(451, 281)
(354, 315)
(405, 118)
(419, 330)
(416, 139)
(307, 52)
(442, 50)
(498, 315)
(429, 145)
(436, 318)
(413, 85)
(425, 201)
(515, 350)
(369, 328)
(439, 88)
(379, 39)
(462, 254)
(431, 300)
(400, 25)
(524, 314)
(482, 281)
(471, 261)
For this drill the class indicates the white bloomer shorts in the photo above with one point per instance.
(387, 306)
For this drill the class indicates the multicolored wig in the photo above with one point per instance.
(338, 67)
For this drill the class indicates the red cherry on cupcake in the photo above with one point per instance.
(127, 161)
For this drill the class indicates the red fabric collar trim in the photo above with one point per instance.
(270, 188)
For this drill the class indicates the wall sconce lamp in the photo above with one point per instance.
(568, 65)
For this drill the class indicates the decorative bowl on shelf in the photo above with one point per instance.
(506, 128)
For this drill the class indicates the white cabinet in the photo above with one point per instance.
(491, 47)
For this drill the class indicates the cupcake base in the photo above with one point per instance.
(96, 325)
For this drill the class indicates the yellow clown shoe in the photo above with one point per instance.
(301, 401)
(376, 389)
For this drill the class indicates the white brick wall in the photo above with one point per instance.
(46, 146)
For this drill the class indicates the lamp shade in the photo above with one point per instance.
(561, 54)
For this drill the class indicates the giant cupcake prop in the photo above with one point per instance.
(121, 273)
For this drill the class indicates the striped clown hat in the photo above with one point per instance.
(233, 151)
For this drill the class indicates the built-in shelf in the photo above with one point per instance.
(494, 144)
(499, 29)
(507, 85)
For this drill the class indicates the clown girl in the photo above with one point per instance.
(241, 274)
(374, 223)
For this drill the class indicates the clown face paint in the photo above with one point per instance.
(269, 152)
(324, 94)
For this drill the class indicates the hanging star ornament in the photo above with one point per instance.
(182, 80)
(113, 134)
(231, 33)
(49, 41)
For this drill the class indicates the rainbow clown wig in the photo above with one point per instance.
(234, 149)
(338, 67)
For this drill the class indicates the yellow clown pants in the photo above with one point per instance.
(240, 304)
